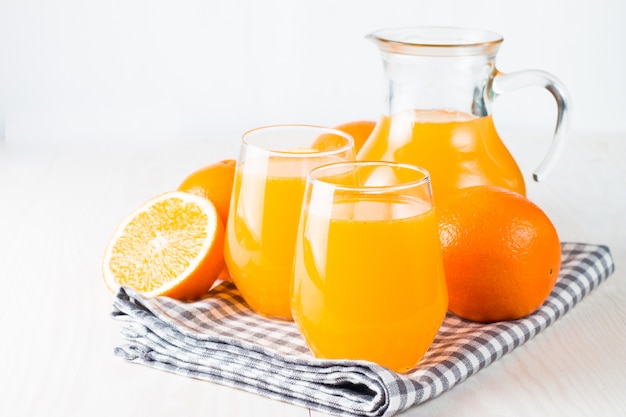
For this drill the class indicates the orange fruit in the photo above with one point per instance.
(215, 182)
(501, 253)
(360, 130)
(171, 245)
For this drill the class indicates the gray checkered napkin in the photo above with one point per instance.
(219, 339)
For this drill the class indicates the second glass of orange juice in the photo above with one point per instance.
(265, 208)
(368, 273)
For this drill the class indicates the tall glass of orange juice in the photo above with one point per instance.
(368, 273)
(265, 208)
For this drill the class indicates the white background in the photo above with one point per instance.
(151, 73)
(159, 70)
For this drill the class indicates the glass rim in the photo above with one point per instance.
(437, 40)
(305, 153)
(313, 178)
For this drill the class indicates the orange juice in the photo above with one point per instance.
(459, 150)
(261, 234)
(368, 281)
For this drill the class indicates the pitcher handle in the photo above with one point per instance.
(511, 81)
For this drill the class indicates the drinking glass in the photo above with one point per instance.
(265, 208)
(368, 273)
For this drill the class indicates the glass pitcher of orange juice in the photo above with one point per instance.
(441, 83)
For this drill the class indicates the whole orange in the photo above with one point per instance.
(360, 130)
(501, 253)
(215, 182)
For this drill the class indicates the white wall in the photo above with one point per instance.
(145, 70)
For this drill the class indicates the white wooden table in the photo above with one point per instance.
(59, 206)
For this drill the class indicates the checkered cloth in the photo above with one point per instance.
(219, 339)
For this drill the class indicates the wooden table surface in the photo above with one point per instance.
(60, 204)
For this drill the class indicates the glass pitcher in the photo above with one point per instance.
(441, 83)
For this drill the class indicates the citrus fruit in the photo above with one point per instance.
(171, 245)
(215, 182)
(360, 130)
(501, 253)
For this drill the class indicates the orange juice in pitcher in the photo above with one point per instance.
(459, 150)
(440, 85)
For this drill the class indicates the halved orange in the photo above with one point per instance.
(172, 245)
